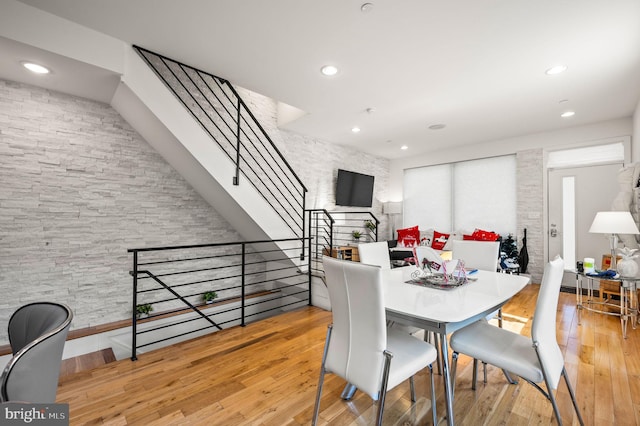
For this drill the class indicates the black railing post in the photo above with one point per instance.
(309, 261)
(243, 282)
(134, 316)
(236, 178)
(303, 223)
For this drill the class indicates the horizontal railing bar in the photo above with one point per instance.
(187, 259)
(191, 246)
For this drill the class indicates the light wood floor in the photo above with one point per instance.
(267, 372)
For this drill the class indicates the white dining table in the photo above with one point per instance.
(445, 311)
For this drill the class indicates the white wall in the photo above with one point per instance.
(547, 140)
(531, 173)
(635, 139)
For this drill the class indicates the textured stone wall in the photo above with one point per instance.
(78, 188)
(530, 206)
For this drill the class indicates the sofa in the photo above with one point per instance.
(407, 238)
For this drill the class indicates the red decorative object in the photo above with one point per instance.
(408, 237)
(482, 235)
(439, 240)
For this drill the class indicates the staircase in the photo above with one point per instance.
(202, 127)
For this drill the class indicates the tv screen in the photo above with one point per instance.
(354, 189)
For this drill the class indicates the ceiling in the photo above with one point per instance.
(478, 67)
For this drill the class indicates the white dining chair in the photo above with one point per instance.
(375, 254)
(482, 255)
(485, 256)
(537, 358)
(359, 347)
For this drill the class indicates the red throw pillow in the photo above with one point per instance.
(482, 235)
(408, 237)
(439, 240)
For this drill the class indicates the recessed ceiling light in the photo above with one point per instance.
(356, 129)
(35, 68)
(556, 70)
(567, 114)
(403, 147)
(329, 70)
(437, 126)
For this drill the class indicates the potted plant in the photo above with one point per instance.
(209, 296)
(370, 225)
(356, 235)
(143, 310)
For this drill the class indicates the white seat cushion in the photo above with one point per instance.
(410, 355)
(502, 348)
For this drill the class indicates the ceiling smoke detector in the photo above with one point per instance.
(366, 7)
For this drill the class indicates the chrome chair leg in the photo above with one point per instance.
(433, 396)
(475, 374)
(413, 389)
(383, 387)
(510, 379)
(454, 368)
(316, 409)
(573, 396)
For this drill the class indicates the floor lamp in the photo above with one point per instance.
(392, 208)
(614, 223)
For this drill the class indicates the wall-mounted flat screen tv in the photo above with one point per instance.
(354, 189)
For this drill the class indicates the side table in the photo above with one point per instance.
(627, 309)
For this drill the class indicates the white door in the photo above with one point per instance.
(575, 196)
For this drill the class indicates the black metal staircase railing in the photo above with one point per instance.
(216, 105)
(330, 230)
(246, 280)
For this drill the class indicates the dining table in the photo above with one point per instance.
(445, 310)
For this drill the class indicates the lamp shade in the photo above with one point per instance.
(614, 223)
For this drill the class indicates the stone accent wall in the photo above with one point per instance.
(79, 188)
(530, 206)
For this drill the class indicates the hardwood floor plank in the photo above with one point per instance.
(266, 374)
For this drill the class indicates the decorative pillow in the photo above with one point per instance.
(426, 237)
(408, 237)
(482, 235)
(439, 240)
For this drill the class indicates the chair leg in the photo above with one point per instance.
(454, 368)
(573, 396)
(413, 389)
(475, 374)
(383, 387)
(510, 379)
(316, 409)
(484, 367)
(433, 396)
(433, 338)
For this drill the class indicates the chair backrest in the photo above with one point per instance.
(359, 334)
(481, 255)
(375, 254)
(543, 327)
(37, 333)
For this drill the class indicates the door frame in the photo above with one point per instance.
(626, 142)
